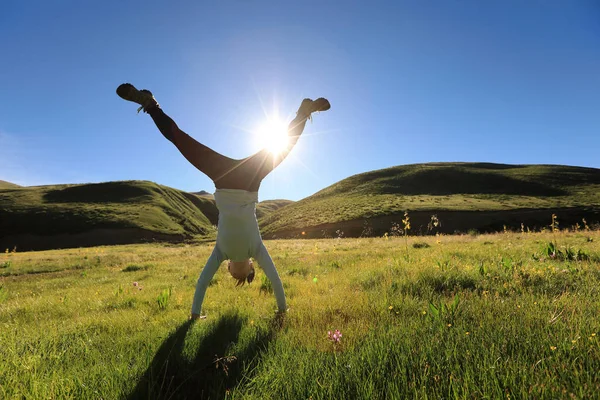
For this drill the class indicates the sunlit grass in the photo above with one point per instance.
(513, 321)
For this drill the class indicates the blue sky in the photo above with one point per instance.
(409, 81)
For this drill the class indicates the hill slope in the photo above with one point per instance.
(205, 194)
(104, 213)
(471, 195)
(8, 185)
(267, 207)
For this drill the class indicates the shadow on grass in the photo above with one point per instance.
(211, 371)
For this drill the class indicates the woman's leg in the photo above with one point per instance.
(266, 263)
(263, 162)
(213, 164)
(211, 267)
(226, 173)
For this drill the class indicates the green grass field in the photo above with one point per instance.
(489, 316)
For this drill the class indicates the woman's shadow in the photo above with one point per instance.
(209, 373)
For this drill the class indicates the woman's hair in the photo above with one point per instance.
(242, 271)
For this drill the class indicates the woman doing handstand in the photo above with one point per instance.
(237, 183)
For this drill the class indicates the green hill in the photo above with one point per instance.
(103, 213)
(465, 196)
(267, 207)
(205, 194)
(60, 216)
(8, 185)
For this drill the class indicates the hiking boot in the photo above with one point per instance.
(309, 106)
(142, 97)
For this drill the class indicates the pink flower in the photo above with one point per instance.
(335, 337)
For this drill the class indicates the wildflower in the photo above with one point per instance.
(391, 307)
(406, 222)
(467, 333)
(449, 325)
(424, 312)
(554, 224)
(135, 284)
(552, 348)
(335, 336)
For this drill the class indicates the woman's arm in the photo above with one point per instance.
(211, 267)
(266, 263)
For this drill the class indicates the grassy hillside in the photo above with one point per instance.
(435, 187)
(127, 211)
(464, 196)
(268, 206)
(207, 206)
(8, 185)
(205, 194)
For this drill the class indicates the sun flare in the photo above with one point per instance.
(273, 135)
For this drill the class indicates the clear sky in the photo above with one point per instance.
(409, 81)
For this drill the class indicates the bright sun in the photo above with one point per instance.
(273, 135)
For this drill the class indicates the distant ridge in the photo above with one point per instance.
(204, 193)
(478, 196)
(267, 207)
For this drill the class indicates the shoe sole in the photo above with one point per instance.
(322, 104)
(127, 91)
